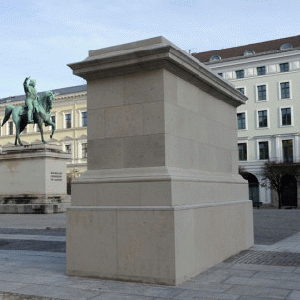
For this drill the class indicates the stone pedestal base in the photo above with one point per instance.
(33, 204)
(33, 179)
(165, 232)
(162, 199)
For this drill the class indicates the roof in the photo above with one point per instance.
(58, 92)
(257, 48)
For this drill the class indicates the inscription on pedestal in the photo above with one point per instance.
(56, 176)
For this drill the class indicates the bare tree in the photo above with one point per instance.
(272, 174)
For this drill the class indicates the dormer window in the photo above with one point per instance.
(249, 52)
(286, 46)
(215, 57)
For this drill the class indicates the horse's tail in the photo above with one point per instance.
(8, 111)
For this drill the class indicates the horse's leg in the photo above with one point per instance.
(40, 124)
(18, 134)
(53, 128)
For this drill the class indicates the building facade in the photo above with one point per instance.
(69, 113)
(268, 73)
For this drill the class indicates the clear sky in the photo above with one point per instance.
(40, 37)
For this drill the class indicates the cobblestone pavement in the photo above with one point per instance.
(267, 271)
(274, 225)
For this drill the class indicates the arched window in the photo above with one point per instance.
(215, 57)
(286, 46)
(249, 52)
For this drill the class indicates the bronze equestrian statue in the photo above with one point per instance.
(35, 110)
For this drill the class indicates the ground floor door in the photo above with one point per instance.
(289, 193)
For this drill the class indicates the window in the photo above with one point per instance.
(261, 92)
(242, 151)
(68, 120)
(68, 148)
(286, 116)
(286, 46)
(261, 71)
(263, 150)
(84, 150)
(83, 118)
(241, 90)
(239, 74)
(249, 52)
(215, 57)
(287, 150)
(284, 67)
(285, 90)
(10, 128)
(220, 74)
(262, 118)
(241, 120)
(53, 119)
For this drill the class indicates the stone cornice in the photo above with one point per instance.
(152, 54)
(68, 96)
(264, 58)
(156, 174)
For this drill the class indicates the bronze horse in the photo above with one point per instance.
(42, 114)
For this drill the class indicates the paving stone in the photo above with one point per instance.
(279, 275)
(164, 292)
(10, 286)
(44, 271)
(258, 291)
(212, 278)
(259, 298)
(261, 282)
(57, 292)
(22, 278)
(294, 295)
(202, 294)
(297, 270)
(116, 296)
(263, 268)
(13, 296)
(208, 287)
(223, 265)
(228, 273)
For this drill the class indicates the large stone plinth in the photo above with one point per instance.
(33, 179)
(162, 199)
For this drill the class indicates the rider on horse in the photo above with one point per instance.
(31, 101)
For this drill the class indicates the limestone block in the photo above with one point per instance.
(96, 124)
(106, 153)
(143, 87)
(105, 93)
(153, 117)
(144, 151)
(92, 243)
(124, 120)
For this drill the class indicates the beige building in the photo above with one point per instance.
(69, 113)
(268, 73)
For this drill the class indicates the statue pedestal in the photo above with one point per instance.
(162, 200)
(33, 179)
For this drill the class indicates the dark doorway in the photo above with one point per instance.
(253, 188)
(289, 192)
